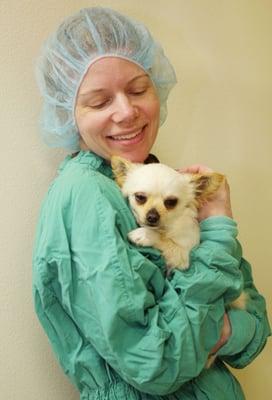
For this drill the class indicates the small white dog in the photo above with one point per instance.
(165, 204)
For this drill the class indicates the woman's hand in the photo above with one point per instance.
(225, 334)
(220, 203)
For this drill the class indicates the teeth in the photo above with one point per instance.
(126, 137)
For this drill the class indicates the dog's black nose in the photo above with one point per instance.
(152, 217)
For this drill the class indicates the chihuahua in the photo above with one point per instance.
(165, 204)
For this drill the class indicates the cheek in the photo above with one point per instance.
(138, 210)
(154, 111)
(91, 123)
(81, 118)
(151, 107)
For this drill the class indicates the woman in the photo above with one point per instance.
(119, 326)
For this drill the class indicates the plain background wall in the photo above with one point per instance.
(219, 114)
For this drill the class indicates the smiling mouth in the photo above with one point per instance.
(127, 136)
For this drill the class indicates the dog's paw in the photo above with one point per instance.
(143, 237)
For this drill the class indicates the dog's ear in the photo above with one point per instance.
(206, 185)
(120, 167)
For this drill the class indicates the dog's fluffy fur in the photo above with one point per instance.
(165, 204)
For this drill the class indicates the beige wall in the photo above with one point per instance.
(219, 114)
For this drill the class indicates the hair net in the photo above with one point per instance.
(67, 54)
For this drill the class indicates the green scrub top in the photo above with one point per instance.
(120, 327)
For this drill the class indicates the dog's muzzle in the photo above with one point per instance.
(152, 217)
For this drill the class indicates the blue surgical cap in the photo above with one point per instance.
(79, 41)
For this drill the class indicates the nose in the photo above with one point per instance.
(125, 110)
(152, 217)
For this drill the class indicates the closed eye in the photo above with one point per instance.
(100, 105)
(170, 202)
(138, 92)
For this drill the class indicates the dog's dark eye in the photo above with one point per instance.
(140, 198)
(170, 202)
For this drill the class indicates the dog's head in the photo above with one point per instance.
(159, 195)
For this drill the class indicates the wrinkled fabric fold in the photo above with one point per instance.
(118, 324)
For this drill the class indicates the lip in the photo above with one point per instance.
(136, 136)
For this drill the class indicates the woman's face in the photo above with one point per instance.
(117, 110)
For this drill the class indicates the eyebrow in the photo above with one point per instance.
(99, 90)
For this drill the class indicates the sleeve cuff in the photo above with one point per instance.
(242, 332)
(217, 222)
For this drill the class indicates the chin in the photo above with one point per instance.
(137, 155)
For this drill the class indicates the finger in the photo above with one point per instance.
(195, 169)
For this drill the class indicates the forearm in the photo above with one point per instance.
(250, 327)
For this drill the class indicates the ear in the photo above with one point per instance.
(120, 168)
(206, 185)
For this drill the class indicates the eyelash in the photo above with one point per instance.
(138, 93)
(98, 106)
(133, 93)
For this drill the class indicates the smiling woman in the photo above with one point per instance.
(90, 41)
(120, 325)
(117, 110)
